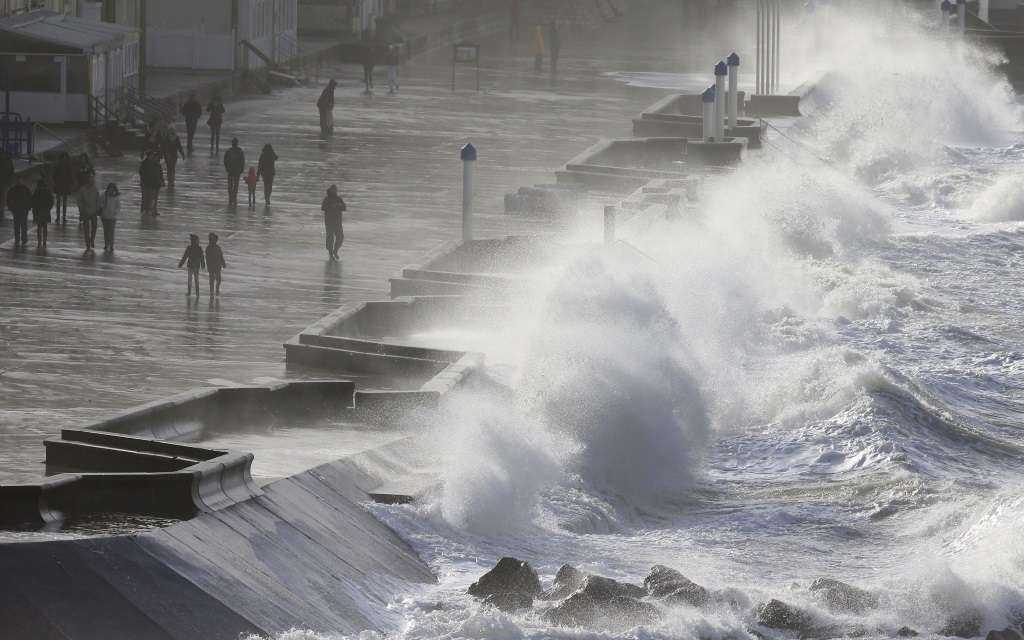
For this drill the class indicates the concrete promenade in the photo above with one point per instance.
(81, 337)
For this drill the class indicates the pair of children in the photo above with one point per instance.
(213, 261)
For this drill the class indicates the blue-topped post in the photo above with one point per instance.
(721, 71)
(708, 100)
(468, 156)
(734, 86)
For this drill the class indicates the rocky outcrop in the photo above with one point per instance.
(510, 601)
(776, 614)
(906, 632)
(567, 581)
(964, 624)
(602, 590)
(675, 588)
(618, 612)
(840, 597)
(509, 576)
(1008, 633)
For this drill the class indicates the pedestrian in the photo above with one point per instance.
(513, 21)
(216, 110)
(234, 163)
(110, 207)
(250, 182)
(393, 59)
(42, 203)
(19, 201)
(170, 149)
(537, 48)
(192, 110)
(88, 199)
(325, 105)
(266, 168)
(151, 178)
(215, 262)
(63, 186)
(333, 207)
(83, 169)
(554, 44)
(368, 64)
(6, 179)
(193, 260)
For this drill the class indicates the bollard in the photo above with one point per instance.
(609, 224)
(468, 156)
(734, 86)
(721, 71)
(708, 99)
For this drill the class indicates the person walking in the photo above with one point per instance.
(234, 163)
(88, 200)
(215, 262)
(393, 60)
(110, 207)
(192, 110)
(266, 168)
(325, 105)
(193, 260)
(537, 48)
(250, 182)
(554, 44)
(170, 149)
(151, 178)
(333, 207)
(6, 179)
(19, 201)
(368, 64)
(216, 110)
(42, 204)
(63, 186)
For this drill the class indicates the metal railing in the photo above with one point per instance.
(16, 135)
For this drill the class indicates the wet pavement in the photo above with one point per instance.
(84, 336)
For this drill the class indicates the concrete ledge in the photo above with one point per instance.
(716, 153)
(390, 407)
(769, 106)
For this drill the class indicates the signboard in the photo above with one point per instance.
(465, 53)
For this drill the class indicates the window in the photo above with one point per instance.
(31, 73)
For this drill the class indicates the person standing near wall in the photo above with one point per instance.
(266, 168)
(110, 207)
(325, 105)
(42, 204)
(234, 164)
(19, 201)
(63, 186)
(88, 199)
(6, 179)
(216, 110)
(192, 111)
(537, 48)
(333, 207)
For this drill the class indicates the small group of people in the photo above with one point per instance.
(265, 169)
(553, 46)
(192, 111)
(195, 259)
(92, 206)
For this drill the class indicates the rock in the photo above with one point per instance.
(663, 582)
(965, 624)
(580, 610)
(602, 590)
(906, 632)
(776, 614)
(730, 597)
(567, 581)
(843, 598)
(508, 576)
(575, 611)
(630, 612)
(1009, 633)
(510, 601)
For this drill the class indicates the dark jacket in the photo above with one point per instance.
(234, 161)
(6, 169)
(151, 174)
(171, 147)
(64, 177)
(192, 110)
(266, 166)
(333, 207)
(194, 257)
(19, 199)
(216, 111)
(42, 200)
(326, 100)
(215, 258)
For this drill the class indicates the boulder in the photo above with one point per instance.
(630, 612)
(508, 576)
(663, 582)
(510, 601)
(776, 614)
(567, 581)
(1009, 633)
(843, 598)
(906, 632)
(620, 612)
(577, 610)
(965, 624)
(602, 590)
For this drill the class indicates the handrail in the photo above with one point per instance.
(49, 132)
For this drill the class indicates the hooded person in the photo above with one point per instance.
(193, 260)
(215, 263)
(151, 178)
(333, 207)
(325, 105)
(234, 164)
(266, 168)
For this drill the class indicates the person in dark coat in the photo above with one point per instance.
(266, 168)
(333, 207)
(216, 110)
(63, 186)
(554, 45)
(193, 260)
(88, 200)
(6, 179)
(151, 178)
(234, 164)
(192, 110)
(171, 148)
(42, 204)
(325, 105)
(19, 201)
(215, 262)
(368, 64)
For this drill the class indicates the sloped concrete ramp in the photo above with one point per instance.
(305, 554)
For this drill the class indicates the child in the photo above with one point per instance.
(110, 207)
(250, 181)
(193, 256)
(214, 263)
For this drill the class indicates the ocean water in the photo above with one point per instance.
(820, 373)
